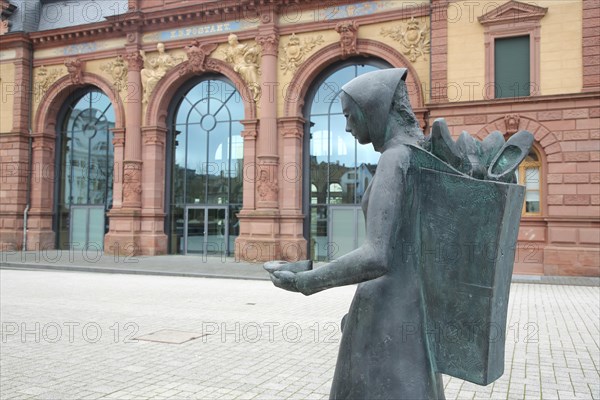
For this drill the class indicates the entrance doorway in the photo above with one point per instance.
(206, 230)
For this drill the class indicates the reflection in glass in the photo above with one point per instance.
(86, 169)
(207, 153)
(340, 170)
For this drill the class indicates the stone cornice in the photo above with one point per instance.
(209, 12)
(512, 12)
(515, 102)
(12, 40)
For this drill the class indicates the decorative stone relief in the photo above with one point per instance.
(44, 78)
(6, 10)
(132, 182)
(155, 68)
(268, 189)
(75, 69)
(197, 54)
(295, 50)
(512, 123)
(348, 31)
(245, 61)
(117, 71)
(414, 37)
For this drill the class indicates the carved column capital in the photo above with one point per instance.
(135, 61)
(269, 43)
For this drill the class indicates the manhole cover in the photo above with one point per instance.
(170, 336)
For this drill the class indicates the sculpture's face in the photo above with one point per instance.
(356, 123)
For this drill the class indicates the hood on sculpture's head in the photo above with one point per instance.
(374, 92)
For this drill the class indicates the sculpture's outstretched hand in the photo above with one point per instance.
(283, 273)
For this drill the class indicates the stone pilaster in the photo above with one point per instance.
(14, 144)
(439, 51)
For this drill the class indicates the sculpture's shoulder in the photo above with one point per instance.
(397, 158)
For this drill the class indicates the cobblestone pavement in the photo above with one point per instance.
(68, 335)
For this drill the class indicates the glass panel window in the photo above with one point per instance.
(512, 67)
(86, 163)
(339, 169)
(529, 176)
(207, 152)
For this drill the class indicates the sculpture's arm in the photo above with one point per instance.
(373, 258)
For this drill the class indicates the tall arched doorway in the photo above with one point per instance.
(204, 167)
(337, 167)
(84, 162)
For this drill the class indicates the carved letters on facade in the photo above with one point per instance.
(197, 53)
(295, 50)
(512, 123)
(117, 71)
(44, 78)
(155, 68)
(348, 31)
(414, 38)
(245, 61)
(75, 68)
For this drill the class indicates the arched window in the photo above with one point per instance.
(338, 168)
(205, 166)
(85, 166)
(529, 175)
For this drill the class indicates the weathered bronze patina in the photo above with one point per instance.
(434, 271)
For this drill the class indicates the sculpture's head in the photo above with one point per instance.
(232, 39)
(383, 97)
(160, 47)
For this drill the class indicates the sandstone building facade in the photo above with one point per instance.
(214, 127)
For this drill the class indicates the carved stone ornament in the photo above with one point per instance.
(245, 61)
(348, 31)
(155, 68)
(4, 26)
(75, 68)
(135, 61)
(512, 123)
(117, 71)
(132, 182)
(197, 54)
(268, 189)
(414, 38)
(44, 78)
(6, 10)
(295, 50)
(269, 43)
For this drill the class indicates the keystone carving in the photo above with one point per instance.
(75, 69)
(512, 123)
(348, 31)
(197, 54)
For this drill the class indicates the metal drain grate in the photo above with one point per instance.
(171, 336)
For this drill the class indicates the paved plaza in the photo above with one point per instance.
(69, 335)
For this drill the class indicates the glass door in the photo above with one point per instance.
(346, 230)
(206, 230)
(87, 227)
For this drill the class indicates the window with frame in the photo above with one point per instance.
(512, 34)
(529, 175)
(512, 76)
